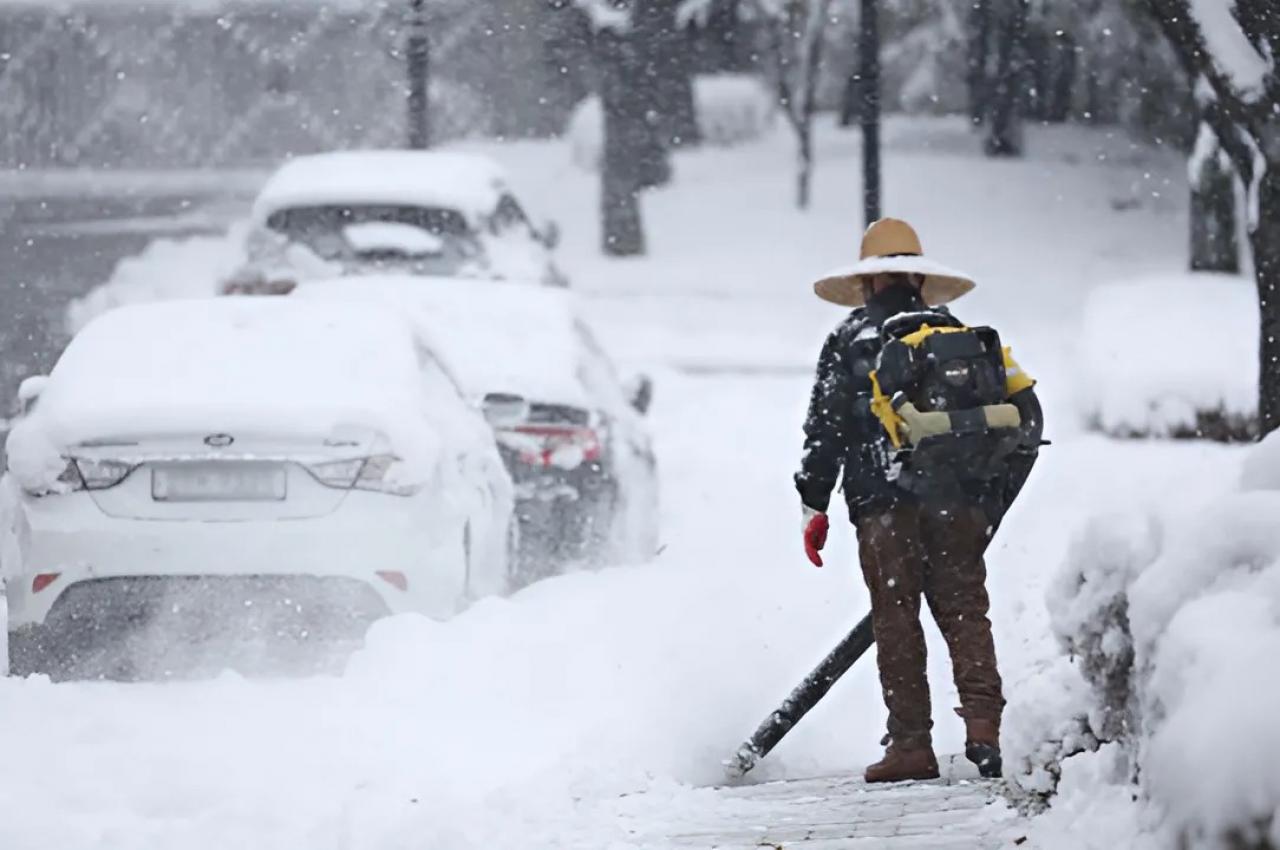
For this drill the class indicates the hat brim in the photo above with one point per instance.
(941, 284)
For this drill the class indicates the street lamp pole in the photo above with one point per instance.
(869, 76)
(418, 54)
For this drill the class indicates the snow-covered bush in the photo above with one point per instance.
(1048, 722)
(1171, 356)
(732, 109)
(166, 269)
(1174, 620)
(1089, 610)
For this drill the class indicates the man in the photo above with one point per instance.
(914, 540)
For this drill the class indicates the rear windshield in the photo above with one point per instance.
(323, 230)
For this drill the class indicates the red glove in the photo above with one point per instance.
(816, 527)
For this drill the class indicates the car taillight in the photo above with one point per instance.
(85, 474)
(563, 446)
(395, 578)
(375, 473)
(43, 580)
(339, 473)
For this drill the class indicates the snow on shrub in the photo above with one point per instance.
(164, 270)
(731, 108)
(1171, 356)
(1047, 722)
(1262, 472)
(1174, 620)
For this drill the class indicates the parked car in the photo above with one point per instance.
(255, 468)
(578, 446)
(412, 212)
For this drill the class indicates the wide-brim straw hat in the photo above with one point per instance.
(891, 245)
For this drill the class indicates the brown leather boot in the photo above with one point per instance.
(982, 746)
(901, 764)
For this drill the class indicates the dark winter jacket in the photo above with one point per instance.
(844, 439)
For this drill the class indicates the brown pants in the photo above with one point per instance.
(909, 549)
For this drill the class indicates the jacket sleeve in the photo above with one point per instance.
(826, 427)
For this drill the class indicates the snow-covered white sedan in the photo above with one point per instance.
(579, 450)
(251, 468)
(427, 213)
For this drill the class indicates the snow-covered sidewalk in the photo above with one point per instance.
(958, 812)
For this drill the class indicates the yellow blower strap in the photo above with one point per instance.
(882, 407)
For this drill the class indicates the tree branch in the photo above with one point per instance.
(1229, 114)
(812, 46)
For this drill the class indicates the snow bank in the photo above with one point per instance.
(1174, 620)
(731, 109)
(165, 270)
(1171, 356)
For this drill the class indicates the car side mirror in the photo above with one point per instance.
(549, 235)
(502, 410)
(640, 393)
(29, 392)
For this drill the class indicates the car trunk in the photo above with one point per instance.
(223, 477)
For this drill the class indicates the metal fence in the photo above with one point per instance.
(213, 84)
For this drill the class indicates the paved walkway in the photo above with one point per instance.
(844, 813)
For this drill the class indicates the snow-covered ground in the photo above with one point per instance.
(523, 715)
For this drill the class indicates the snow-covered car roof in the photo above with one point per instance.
(261, 365)
(469, 183)
(494, 336)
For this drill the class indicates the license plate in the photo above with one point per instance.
(219, 482)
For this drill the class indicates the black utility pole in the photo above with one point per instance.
(418, 52)
(869, 76)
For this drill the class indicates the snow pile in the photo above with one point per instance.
(167, 269)
(1174, 619)
(1171, 356)
(732, 109)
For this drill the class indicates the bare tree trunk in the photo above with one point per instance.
(796, 63)
(851, 95)
(626, 148)
(1062, 80)
(681, 104)
(810, 67)
(804, 174)
(1037, 52)
(1213, 208)
(1005, 137)
(667, 72)
(1265, 239)
(641, 88)
(979, 38)
(850, 101)
(623, 232)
